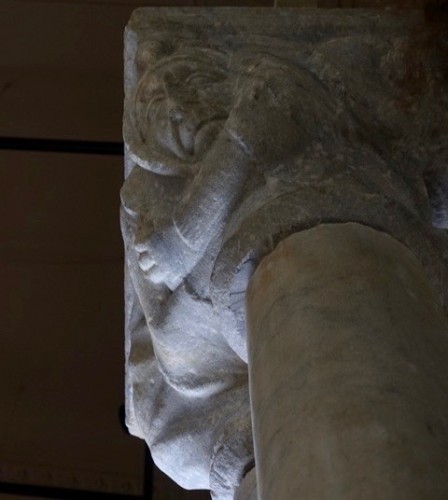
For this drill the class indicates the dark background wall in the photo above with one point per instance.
(61, 327)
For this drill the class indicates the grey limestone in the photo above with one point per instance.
(242, 127)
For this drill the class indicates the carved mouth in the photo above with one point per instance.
(187, 141)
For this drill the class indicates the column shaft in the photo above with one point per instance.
(348, 364)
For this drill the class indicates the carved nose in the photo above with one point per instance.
(176, 113)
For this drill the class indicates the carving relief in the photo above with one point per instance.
(242, 127)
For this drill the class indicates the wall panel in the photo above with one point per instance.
(61, 341)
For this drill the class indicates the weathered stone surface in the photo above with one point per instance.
(243, 126)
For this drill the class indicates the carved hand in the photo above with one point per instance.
(265, 121)
(163, 257)
(280, 109)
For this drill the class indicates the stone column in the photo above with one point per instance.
(348, 350)
(243, 127)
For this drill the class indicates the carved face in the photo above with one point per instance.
(182, 104)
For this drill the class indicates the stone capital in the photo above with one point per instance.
(242, 127)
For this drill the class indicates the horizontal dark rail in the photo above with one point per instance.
(61, 493)
(62, 146)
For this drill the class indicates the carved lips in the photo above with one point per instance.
(186, 134)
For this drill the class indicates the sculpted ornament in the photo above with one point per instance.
(241, 128)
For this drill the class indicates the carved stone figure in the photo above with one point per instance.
(243, 127)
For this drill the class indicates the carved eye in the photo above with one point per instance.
(155, 99)
(200, 79)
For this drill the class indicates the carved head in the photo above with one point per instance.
(178, 110)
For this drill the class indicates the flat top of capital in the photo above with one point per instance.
(310, 24)
(155, 32)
